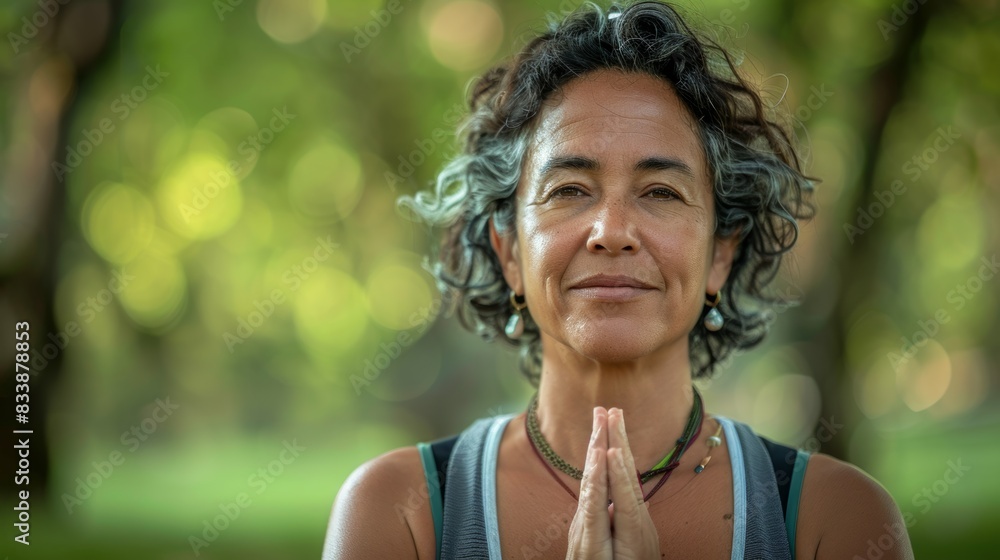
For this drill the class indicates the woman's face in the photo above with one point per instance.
(614, 249)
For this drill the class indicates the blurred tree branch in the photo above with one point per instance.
(80, 39)
(827, 349)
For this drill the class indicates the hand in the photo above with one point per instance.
(590, 531)
(634, 535)
(623, 530)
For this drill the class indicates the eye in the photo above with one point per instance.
(568, 191)
(663, 193)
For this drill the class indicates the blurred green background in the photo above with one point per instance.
(228, 314)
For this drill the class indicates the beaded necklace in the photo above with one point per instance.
(667, 465)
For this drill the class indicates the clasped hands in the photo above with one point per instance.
(623, 530)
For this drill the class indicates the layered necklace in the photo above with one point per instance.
(548, 456)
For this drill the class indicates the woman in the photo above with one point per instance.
(621, 203)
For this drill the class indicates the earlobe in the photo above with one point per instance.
(507, 251)
(722, 262)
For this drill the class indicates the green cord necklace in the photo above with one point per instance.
(553, 458)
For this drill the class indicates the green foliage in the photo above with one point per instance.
(229, 239)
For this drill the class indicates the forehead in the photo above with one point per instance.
(610, 113)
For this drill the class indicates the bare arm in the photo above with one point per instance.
(852, 513)
(375, 508)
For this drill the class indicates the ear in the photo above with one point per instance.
(722, 262)
(509, 254)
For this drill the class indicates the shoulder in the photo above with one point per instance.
(382, 510)
(844, 512)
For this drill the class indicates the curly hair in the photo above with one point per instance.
(759, 189)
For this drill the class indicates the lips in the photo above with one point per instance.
(612, 288)
(612, 281)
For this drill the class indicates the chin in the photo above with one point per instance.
(612, 343)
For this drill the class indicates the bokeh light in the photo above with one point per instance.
(229, 133)
(290, 21)
(923, 381)
(464, 34)
(951, 230)
(154, 136)
(118, 221)
(330, 314)
(325, 183)
(397, 290)
(155, 297)
(200, 198)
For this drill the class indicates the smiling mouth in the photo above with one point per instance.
(612, 293)
(612, 288)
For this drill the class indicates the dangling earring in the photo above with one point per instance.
(713, 320)
(515, 325)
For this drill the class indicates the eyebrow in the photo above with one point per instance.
(664, 164)
(589, 164)
(569, 163)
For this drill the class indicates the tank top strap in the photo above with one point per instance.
(735, 448)
(758, 520)
(470, 528)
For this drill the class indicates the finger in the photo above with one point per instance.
(634, 534)
(594, 485)
(626, 492)
(591, 527)
(621, 437)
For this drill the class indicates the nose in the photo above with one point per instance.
(613, 231)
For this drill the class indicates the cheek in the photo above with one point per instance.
(683, 243)
(547, 250)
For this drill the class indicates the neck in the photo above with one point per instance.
(654, 393)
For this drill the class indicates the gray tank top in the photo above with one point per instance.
(469, 528)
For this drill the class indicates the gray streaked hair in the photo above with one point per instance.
(759, 189)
